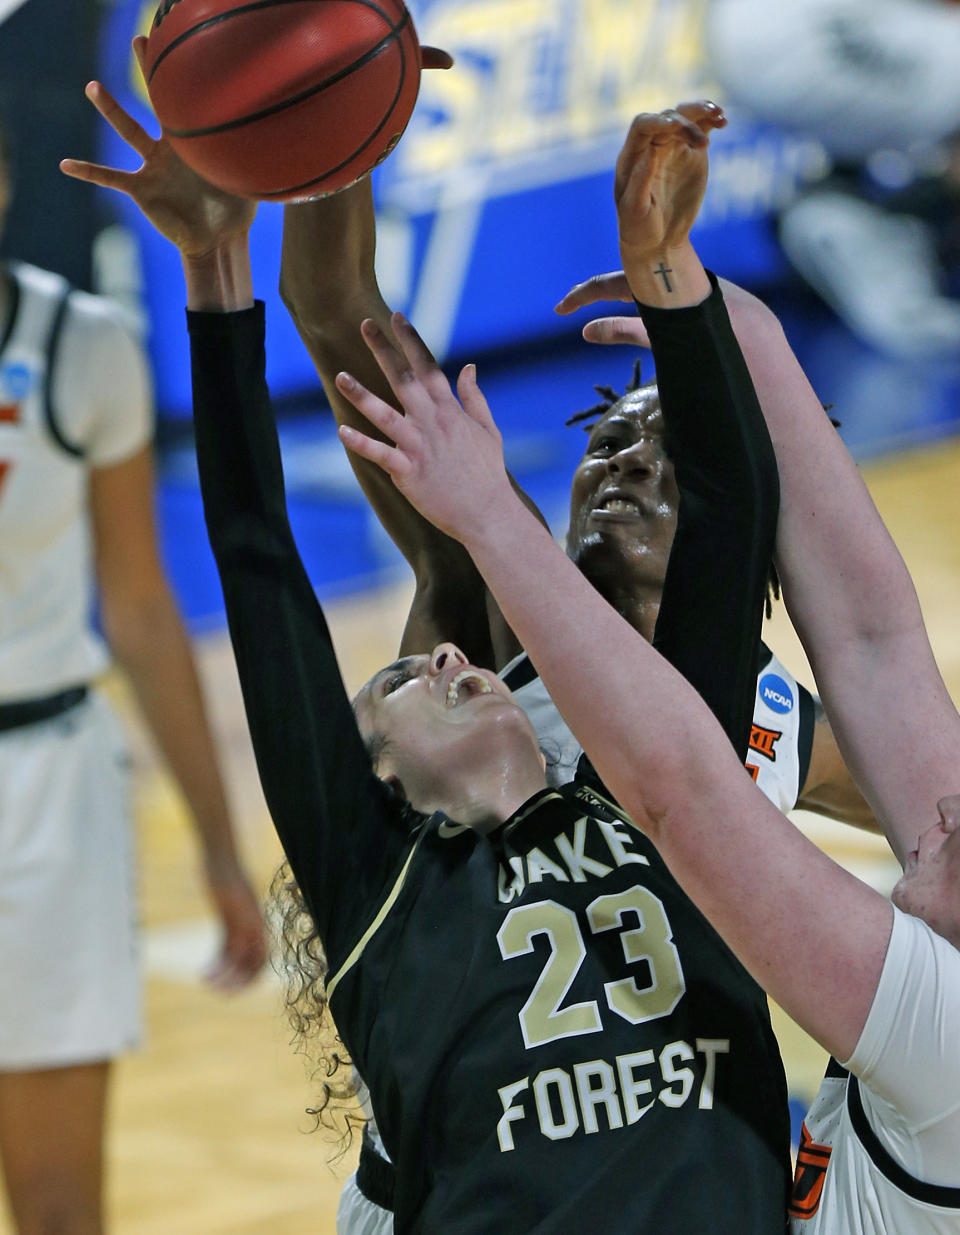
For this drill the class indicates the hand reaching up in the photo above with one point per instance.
(181, 205)
(447, 457)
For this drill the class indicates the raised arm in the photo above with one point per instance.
(328, 282)
(329, 285)
(852, 601)
(712, 606)
(331, 812)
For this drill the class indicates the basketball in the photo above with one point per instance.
(282, 99)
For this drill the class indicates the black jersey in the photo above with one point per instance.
(551, 1033)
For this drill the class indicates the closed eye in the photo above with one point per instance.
(395, 680)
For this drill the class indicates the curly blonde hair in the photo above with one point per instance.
(300, 962)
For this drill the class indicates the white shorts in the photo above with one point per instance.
(858, 75)
(357, 1215)
(69, 980)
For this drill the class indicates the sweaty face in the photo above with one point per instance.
(929, 887)
(446, 725)
(623, 501)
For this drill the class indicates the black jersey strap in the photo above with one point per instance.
(376, 1177)
(13, 305)
(929, 1194)
(804, 734)
(521, 674)
(53, 344)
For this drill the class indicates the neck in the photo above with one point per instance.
(494, 794)
(633, 587)
(637, 603)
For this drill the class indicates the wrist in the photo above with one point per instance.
(498, 523)
(671, 277)
(219, 278)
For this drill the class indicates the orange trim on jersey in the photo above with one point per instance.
(808, 1179)
(9, 413)
(764, 741)
(752, 769)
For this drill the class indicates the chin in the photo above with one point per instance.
(614, 558)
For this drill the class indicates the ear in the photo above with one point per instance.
(395, 785)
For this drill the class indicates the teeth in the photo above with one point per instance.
(620, 506)
(467, 675)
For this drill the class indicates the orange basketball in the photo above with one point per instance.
(282, 99)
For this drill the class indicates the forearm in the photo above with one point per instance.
(329, 286)
(711, 610)
(151, 646)
(850, 596)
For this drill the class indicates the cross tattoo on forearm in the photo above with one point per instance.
(665, 270)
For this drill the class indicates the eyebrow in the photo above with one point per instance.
(619, 421)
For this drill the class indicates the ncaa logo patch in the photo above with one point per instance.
(775, 693)
(17, 379)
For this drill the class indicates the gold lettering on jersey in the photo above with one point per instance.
(559, 1103)
(595, 848)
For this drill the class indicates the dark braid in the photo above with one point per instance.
(609, 397)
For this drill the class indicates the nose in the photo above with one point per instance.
(442, 654)
(639, 458)
(949, 810)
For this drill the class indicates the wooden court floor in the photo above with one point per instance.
(208, 1133)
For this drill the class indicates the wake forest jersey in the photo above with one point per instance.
(781, 735)
(550, 1031)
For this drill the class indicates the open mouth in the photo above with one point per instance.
(617, 505)
(466, 685)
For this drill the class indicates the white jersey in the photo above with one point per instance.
(780, 739)
(880, 1149)
(74, 395)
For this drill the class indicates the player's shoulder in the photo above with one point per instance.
(85, 311)
(98, 315)
(43, 284)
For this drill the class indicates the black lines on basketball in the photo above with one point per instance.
(279, 99)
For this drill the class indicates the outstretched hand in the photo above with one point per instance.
(181, 205)
(447, 457)
(661, 177)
